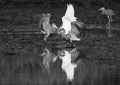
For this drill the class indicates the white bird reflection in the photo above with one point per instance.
(67, 62)
(68, 57)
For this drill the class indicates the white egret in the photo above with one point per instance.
(67, 65)
(109, 13)
(68, 29)
(68, 18)
(68, 57)
(72, 35)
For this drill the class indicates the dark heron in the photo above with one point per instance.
(109, 13)
(47, 28)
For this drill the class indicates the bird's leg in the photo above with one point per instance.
(58, 31)
(46, 36)
(109, 20)
(43, 31)
(70, 40)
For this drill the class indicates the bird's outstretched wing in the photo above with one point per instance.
(70, 13)
(68, 18)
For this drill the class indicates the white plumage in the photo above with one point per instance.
(67, 65)
(68, 18)
(70, 13)
(109, 13)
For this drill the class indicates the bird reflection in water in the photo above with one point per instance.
(68, 62)
(69, 59)
(48, 57)
(45, 26)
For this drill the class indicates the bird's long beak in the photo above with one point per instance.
(99, 9)
(49, 15)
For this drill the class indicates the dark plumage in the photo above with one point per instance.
(46, 27)
(108, 12)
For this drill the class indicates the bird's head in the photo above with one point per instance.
(101, 9)
(48, 14)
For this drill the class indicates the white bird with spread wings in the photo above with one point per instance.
(68, 18)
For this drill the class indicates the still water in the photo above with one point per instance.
(30, 64)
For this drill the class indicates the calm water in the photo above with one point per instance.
(34, 64)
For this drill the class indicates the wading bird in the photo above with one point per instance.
(68, 57)
(46, 27)
(68, 18)
(109, 13)
(68, 30)
(72, 35)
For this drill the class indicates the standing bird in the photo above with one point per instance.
(47, 28)
(68, 29)
(109, 13)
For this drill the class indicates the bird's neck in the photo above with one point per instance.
(103, 12)
(68, 19)
(47, 20)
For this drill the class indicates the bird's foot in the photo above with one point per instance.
(110, 35)
(45, 39)
(76, 39)
(43, 32)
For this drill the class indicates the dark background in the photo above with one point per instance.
(83, 3)
(90, 6)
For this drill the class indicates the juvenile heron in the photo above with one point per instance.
(47, 28)
(109, 13)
